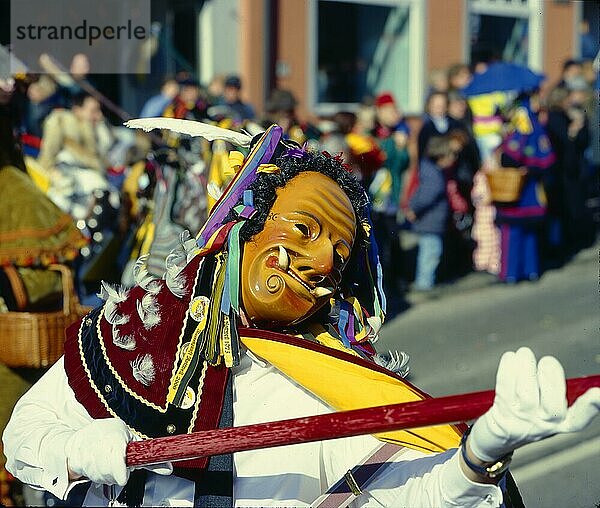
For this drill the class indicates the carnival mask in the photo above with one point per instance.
(293, 266)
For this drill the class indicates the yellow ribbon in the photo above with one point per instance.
(236, 160)
(366, 227)
(226, 123)
(268, 168)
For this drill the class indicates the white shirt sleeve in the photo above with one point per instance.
(41, 423)
(430, 480)
(34, 444)
(297, 475)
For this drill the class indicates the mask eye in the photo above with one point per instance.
(303, 228)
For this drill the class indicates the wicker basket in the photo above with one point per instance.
(506, 184)
(35, 339)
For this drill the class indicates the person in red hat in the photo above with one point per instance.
(390, 121)
(392, 133)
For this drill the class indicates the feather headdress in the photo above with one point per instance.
(191, 128)
(356, 322)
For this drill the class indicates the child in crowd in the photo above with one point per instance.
(429, 209)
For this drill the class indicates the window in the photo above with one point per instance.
(510, 30)
(498, 37)
(363, 49)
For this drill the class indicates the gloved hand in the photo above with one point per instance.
(530, 404)
(98, 450)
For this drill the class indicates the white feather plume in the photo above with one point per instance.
(117, 294)
(143, 278)
(111, 315)
(176, 259)
(152, 285)
(148, 310)
(140, 270)
(143, 369)
(192, 128)
(126, 342)
(150, 304)
(185, 236)
(140, 310)
(176, 262)
(175, 281)
(395, 361)
(188, 241)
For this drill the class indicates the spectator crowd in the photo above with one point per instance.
(436, 213)
(503, 182)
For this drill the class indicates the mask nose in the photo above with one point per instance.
(319, 266)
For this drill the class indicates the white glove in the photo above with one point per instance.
(530, 405)
(98, 451)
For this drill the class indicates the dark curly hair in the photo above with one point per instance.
(266, 184)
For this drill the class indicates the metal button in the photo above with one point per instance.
(108, 388)
(88, 321)
(170, 428)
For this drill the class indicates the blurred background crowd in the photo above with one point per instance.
(434, 214)
(495, 172)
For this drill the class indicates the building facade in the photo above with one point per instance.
(332, 53)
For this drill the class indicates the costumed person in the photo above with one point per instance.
(487, 122)
(72, 156)
(528, 147)
(487, 128)
(268, 314)
(34, 232)
(485, 232)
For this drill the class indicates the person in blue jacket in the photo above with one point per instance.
(429, 209)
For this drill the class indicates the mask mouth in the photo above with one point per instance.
(315, 288)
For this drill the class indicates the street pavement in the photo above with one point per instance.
(456, 340)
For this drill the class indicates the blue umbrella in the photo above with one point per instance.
(503, 77)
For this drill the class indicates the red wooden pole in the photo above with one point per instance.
(424, 413)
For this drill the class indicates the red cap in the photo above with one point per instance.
(384, 98)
